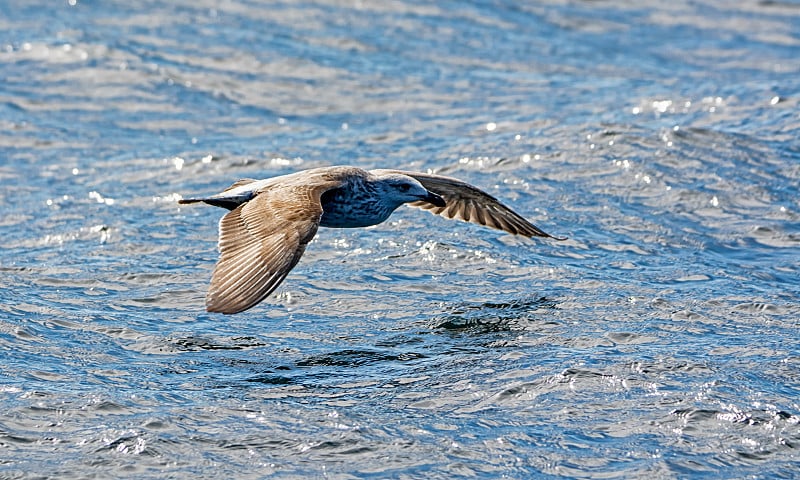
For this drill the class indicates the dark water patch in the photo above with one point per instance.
(491, 317)
(192, 344)
(354, 358)
(269, 378)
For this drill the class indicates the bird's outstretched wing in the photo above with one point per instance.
(471, 204)
(260, 241)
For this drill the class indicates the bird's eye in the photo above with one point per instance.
(404, 187)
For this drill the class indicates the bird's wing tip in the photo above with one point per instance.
(224, 311)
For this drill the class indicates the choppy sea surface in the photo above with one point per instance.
(662, 340)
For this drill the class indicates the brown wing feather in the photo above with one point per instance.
(469, 203)
(260, 242)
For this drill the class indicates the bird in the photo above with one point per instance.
(271, 221)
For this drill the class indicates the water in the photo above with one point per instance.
(659, 341)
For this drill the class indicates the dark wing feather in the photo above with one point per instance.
(471, 204)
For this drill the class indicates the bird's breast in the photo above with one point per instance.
(349, 208)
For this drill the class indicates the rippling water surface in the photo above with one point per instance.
(660, 340)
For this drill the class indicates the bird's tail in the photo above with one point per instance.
(228, 203)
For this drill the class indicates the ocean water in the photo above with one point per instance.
(660, 341)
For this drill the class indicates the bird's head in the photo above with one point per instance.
(404, 189)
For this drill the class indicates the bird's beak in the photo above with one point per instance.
(434, 199)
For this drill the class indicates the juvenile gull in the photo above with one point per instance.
(271, 221)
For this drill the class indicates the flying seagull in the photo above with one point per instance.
(272, 220)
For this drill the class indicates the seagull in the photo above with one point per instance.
(272, 220)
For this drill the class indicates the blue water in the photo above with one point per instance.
(659, 341)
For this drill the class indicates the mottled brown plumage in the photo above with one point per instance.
(271, 221)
